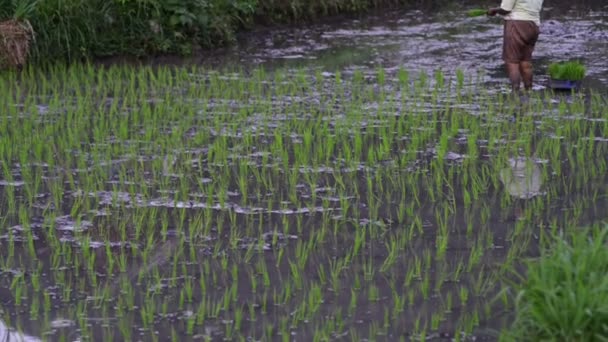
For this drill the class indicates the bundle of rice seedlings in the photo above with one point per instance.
(478, 12)
(571, 71)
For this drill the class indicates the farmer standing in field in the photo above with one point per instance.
(521, 31)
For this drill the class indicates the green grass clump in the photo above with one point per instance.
(570, 71)
(565, 295)
(477, 12)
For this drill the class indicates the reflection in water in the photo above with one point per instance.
(10, 335)
(523, 178)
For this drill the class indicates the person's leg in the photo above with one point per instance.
(515, 76)
(527, 73)
(511, 54)
(530, 33)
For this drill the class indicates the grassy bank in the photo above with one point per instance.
(77, 29)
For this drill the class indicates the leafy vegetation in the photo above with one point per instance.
(564, 294)
(76, 29)
(567, 71)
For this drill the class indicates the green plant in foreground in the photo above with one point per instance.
(565, 294)
(570, 71)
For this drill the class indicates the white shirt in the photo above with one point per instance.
(523, 10)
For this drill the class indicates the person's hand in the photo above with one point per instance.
(492, 12)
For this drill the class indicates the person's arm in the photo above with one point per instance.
(494, 11)
(505, 8)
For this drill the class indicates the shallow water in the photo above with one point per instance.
(83, 254)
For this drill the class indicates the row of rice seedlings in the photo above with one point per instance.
(309, 154)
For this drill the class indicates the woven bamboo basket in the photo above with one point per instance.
(15, 39)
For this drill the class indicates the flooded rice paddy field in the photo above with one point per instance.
(306, 203)
(158, 203)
